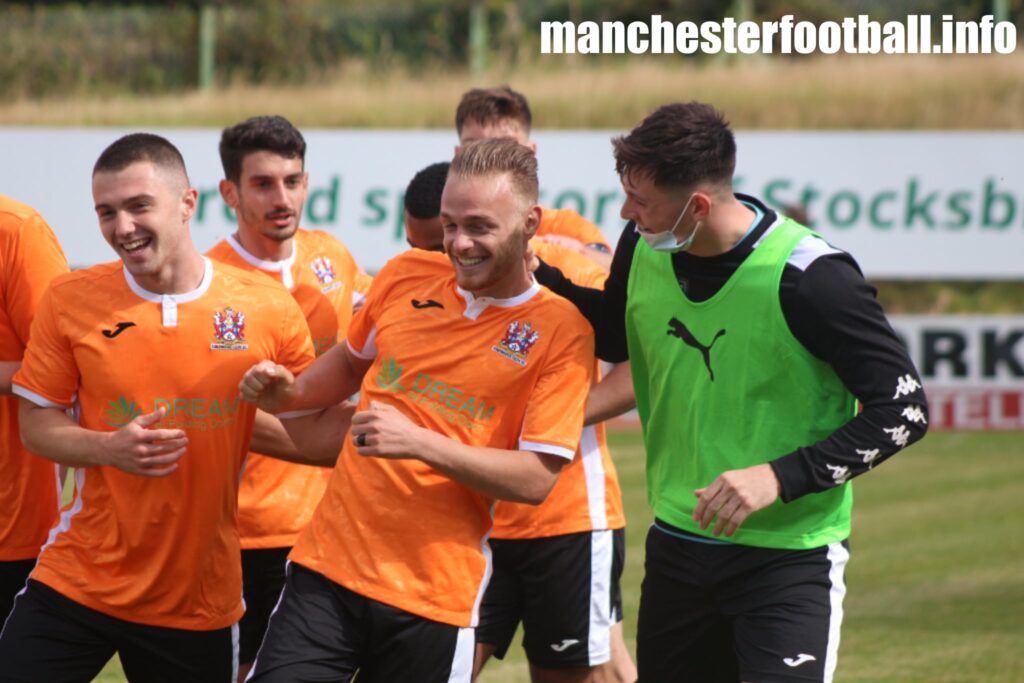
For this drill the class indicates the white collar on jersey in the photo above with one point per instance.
(477, 305)
(284, 267)
(169, 302)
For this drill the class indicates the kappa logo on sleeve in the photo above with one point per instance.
(229, 330)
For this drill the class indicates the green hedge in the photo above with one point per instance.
(109, 47)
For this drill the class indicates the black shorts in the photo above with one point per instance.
(51, 638)
(13, 575)
(565, 590)
(262, 583)
(726, 612)
(322, 631)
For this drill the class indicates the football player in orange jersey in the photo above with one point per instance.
(266, 183)
(148, 350)
(502, 112)
(573, 627)
(30, 257)
(473, 384)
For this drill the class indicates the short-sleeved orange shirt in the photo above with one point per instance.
(30, 258)
(160, 551)
(277, 498)
(487, 372)
(571, 224)
(587, 496)
(361, 287)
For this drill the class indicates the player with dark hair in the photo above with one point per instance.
(259, 134)
(148, 351)
(266, 184)
(752, 341)
(423, 207)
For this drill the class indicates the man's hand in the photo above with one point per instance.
(383, 431)
(269, 386)
(734, 496)
(137, 449)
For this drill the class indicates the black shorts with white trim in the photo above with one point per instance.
(564, 589)
(49, 637)
(322, 631)
(716, 612)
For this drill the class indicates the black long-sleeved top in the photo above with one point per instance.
(829, 308)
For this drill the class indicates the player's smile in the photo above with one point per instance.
(136, 245)
(468, 262)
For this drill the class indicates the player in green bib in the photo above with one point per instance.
(752, 340)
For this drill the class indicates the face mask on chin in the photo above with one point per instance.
(666, 241)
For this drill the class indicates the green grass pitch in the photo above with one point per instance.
(936, 577)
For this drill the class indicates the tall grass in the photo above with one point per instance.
(879, 92)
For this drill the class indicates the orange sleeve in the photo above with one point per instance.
(362, 330)
(35, 260)
(296, 350)
(363, 280)
(574, 265)
(590, 234)
(554, 415)
(570, 223)
(48, 374)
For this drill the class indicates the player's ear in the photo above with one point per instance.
(229, 193)
(189, 201)
(532, 221)
(702, 203)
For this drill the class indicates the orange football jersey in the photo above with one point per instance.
(30, 258)
(277, 498)
(587, 496)
(361, 287)
(571, 224)
(486, 372)
(161, 551)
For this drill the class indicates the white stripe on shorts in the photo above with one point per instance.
(602, 549)
(462, 660)
(838, 556)
(234, 652)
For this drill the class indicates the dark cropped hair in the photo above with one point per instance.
(136, 147)
(259, 134)
(489, 106)
(423, 195)
(679, 145)
(495, 156)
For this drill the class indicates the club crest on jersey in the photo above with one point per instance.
(324, 272)
(518, 340)
(229, 330)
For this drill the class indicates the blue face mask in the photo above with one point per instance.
(666, 241)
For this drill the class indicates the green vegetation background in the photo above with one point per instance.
(934, 581)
